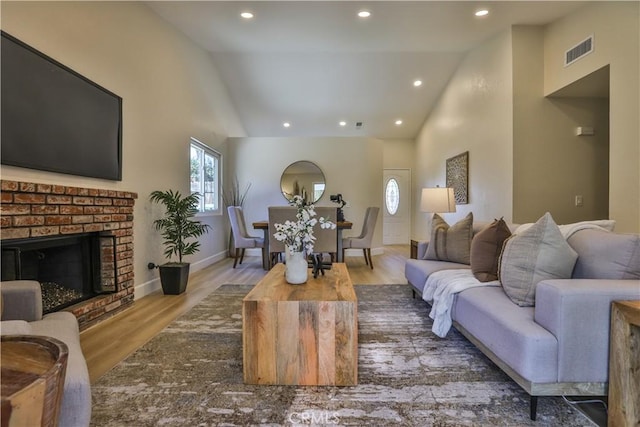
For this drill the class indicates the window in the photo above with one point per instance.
(392, 196)
(318, 190)
(205, 176)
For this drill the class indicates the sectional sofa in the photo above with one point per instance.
(22, 315)
(559, 344)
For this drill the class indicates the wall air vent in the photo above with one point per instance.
(583, 48)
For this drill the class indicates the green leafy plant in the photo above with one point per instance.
(177, 225)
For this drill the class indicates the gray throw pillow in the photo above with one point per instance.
(536, 254)
(486, 247)
(450, 243)
(606, 255)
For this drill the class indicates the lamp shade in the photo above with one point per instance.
(437, 200)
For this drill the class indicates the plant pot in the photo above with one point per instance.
(174, 277)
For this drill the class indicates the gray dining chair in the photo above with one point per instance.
(326, 238)
(363, 241)
(242, 239)
(278, 215)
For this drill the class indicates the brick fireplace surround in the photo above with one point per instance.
(40, 210)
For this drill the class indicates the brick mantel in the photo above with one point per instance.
(30, 210)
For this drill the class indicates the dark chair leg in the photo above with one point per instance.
(533, 408)
(364, 252)
(413, 292)
(370, 260)
(235, 260)
(242, 256)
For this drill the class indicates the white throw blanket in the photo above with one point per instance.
(440, 290)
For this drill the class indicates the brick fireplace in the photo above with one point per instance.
(32, 211)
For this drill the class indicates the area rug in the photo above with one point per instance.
(191, 375)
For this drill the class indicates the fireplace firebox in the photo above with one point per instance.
(70, 269)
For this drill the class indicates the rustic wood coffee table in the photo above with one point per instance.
(301, 334)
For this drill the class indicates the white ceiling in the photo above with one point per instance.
(315, 63)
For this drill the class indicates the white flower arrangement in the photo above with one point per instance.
(298, 236)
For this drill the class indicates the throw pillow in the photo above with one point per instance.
(536, 254)
(450, 243)
(486, 247)
(605, 255)
(606, 224)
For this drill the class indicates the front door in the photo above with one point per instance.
(397, 206)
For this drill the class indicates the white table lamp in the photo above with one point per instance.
(438, 200)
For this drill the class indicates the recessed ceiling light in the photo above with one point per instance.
(342, 123)
(398, 122)
(286, 124)
(417, 83)
(482, 12)
(247, 15)
(364, 14)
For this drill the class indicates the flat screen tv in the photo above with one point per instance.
(54, 119)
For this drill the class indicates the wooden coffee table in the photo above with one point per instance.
(301, 334)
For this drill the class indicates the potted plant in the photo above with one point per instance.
(177, 226)
(298, 239)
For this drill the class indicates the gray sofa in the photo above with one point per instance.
(561, 345)
(22, 315)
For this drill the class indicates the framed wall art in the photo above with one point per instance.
(458, 177)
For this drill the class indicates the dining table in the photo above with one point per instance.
(264, 226)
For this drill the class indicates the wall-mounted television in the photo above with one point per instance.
(54, 119)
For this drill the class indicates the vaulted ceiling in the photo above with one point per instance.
(314, 64)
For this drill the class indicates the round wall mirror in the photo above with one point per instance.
(302, 178)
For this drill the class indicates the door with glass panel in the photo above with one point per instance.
(397, 206)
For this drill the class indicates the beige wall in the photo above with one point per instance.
(398, 153)
(170, 90)
(551, 164)
(616, 30)
(524, 156)
(473, 114)
(352, 167)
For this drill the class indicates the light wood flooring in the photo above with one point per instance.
(111, 341)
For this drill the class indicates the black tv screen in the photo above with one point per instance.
(54, 119)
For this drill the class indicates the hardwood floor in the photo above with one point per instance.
(109, 342)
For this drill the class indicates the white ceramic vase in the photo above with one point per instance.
(296, 267)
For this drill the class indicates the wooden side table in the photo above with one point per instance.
(32, 375)
(624, 364)
(414, 249)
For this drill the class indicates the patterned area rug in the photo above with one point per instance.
(191, 375)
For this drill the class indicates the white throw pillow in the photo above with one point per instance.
(538, 253)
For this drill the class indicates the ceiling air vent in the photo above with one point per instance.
(583, 48)
(358, 125)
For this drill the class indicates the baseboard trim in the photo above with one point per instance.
(143, 289)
